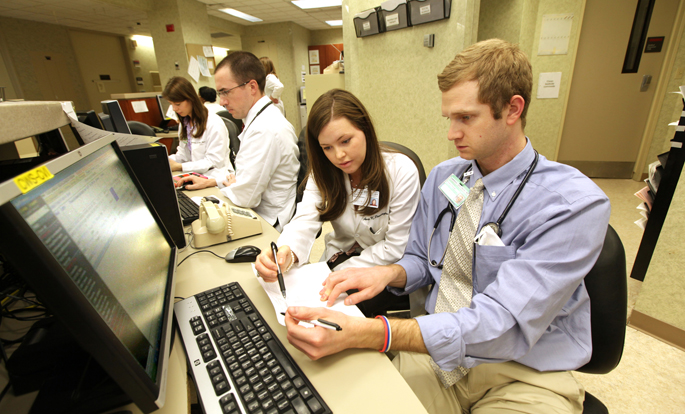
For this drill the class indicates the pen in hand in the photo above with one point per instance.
(281, 283)
(321, 322)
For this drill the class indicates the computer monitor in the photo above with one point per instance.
(92, 119)
(163, 106)
(106, 122)
(84, 236)
(113, 109)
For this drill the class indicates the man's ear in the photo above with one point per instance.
(514, 109)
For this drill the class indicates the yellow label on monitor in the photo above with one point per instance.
(32, 179)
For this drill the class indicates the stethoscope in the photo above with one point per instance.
(496, 226)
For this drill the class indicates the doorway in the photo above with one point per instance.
(607, 109)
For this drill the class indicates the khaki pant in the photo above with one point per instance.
(492, 388)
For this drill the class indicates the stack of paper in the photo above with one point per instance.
(302, 286)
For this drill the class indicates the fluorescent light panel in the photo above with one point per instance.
(316, 4)
(241, 15)
(334, 22)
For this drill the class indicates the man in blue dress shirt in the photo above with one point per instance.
(528, 323)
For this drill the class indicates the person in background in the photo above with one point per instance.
(208, 99)
(274, 87)
(367, 192)
(268, 161)
(508, 314)
(203, 137)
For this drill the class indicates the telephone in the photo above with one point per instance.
(220, 224)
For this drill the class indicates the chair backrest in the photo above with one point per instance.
(237, 122)
(607, 286)
(411, 154)
(304, 162)
(233, 141)
(139, 128)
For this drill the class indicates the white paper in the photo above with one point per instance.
(89, 134)
(139, 106)
(204, 69)
(302, 286)
(548, 85)
(69, 110)
(313, 57)
(208, 51)
(641, 223)
(555, 34)
(210, 64)
(194, 69)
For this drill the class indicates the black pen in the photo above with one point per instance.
(281, 283)
(320, 322)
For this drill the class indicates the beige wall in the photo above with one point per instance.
(26, 40)
(233, 42)
(144, 52)
(101, 54)
(286, 45)
(395, 76)
(325, 37)
(6, 80)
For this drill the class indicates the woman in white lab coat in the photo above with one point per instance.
(347, 170)
(203, 137)
(273, 88)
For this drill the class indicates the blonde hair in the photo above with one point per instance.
(501, 69)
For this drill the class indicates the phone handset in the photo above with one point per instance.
(216, 218)
(220, 224)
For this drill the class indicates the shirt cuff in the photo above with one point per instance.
(219, 183)
(442, 336)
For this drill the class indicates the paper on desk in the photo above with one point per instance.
(302, 286)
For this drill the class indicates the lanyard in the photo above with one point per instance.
(255, 117)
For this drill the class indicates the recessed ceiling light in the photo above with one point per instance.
(241, 15)
(334, 22)
(316, 4)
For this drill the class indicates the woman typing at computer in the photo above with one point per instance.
(347, 169)
(203, 137)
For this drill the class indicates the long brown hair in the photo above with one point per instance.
(180, 89)
(268, 65)
(330, 179)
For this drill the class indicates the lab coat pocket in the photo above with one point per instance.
(199, 146)
(488, 261)
(374, 227)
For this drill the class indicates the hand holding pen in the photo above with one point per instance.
(281, 283)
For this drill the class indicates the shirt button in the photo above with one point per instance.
(493, 194)
(356, 235)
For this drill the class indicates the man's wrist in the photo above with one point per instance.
(399, 276)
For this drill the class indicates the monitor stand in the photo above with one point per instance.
(72, 381)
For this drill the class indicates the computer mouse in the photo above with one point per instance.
(243, 254)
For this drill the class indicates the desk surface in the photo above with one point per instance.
(353, 381)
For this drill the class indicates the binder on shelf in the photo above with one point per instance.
(366, 23)
(426, 11)
(394, 15)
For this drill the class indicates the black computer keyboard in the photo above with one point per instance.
(238, 363)
(190, 210)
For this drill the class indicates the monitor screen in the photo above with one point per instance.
(95, 252)
(113, 109)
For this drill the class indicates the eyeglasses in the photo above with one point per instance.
(224, 92)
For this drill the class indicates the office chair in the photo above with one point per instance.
(238, 122)
(411, 154)
(139, 128)
(607, 286)
(233, 141)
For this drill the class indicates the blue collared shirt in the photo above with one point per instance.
(529, 301)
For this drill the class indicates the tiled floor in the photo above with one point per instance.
(651, 376)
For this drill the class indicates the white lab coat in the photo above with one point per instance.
(266, 165)
(383, 235)
(274, 89)
(209, 153)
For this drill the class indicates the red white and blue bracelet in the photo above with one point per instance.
(388, 334)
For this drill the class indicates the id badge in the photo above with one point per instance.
(454, 190)
(360, 197)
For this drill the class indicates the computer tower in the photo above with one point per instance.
(150, 164)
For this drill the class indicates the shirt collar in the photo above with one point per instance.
(496, 181)
(256, 108)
